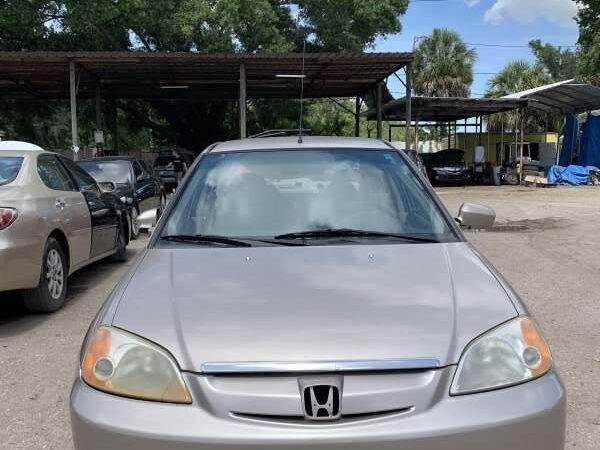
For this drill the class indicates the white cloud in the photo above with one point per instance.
(561, 12)
(471, 3)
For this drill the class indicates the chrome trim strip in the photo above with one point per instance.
(319, 366)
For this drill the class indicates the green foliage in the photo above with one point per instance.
(515, 77)
(589, 40)
(349, 25)
(205, 26)
(443, 65)
(560, 64)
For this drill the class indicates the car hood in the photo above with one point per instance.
(314, 303)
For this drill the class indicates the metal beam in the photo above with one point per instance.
(341, 105)
(242, 101)
(357, 117)
(408, 99)
(73, 97)
(521, 164)
(380, 110)
(98, 108)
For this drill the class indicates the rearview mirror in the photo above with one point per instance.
(472, 215)
(107, 186)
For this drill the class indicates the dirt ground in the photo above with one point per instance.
(547, 244)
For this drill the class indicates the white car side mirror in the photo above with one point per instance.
(472, 215)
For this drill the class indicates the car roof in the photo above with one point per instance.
(308, 143)
(18, 146)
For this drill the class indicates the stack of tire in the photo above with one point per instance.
(532, 168)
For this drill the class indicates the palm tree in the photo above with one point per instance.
(515, 77)
(443, 65)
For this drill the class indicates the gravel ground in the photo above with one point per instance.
(547, 244)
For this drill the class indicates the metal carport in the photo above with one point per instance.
(161, 75)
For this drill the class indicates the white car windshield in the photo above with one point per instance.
(9, 168)
(272, 193)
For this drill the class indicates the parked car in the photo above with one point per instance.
(165, 170)
(54, 220)
(136, 184)
(447, 167)
(314, 295)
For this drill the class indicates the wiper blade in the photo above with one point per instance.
(349, 232)
(204, 239)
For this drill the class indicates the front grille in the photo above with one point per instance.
(298, 419)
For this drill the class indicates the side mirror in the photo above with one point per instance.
(107, 186)
(146, 221)
(472, 215)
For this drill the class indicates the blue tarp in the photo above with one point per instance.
(569, 141)
(573, 175)
(589, 153)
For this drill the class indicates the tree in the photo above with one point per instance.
(588, 19)
(206, 26)
(443, 65)
(560, 64)
(515, 77)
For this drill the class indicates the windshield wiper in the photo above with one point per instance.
(349, 232)
(205, 239)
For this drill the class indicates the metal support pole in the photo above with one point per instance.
(73, 97)
(523, 114)
(501, 138)
(357, 118)
(242, 101)
(408, 100)
(380, 110)
(417, 134)
(390, 133)
(488, 149)
(114, 115)
(98, 108)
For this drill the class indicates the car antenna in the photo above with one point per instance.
(301, 92)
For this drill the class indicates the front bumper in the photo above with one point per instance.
(459, 178)
(529, 416)
(20, 262)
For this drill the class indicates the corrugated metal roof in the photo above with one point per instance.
(149, 75)
(446, 109)
(565, 96)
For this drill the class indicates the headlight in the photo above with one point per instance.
(510, 354)
(124, 364)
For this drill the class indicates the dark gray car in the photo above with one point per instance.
(314, 295)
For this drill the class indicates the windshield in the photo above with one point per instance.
(104, 171)
(271, 193)
(9, 168)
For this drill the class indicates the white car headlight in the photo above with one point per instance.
(510, 354)
(124, 364)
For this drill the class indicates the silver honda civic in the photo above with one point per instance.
(314, 294)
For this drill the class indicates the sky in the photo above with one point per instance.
(506, 22)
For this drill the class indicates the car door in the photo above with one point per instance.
(104, 212)
(70, 208)
(145, 188)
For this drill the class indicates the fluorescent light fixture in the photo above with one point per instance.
(175, 86)
(284, 75)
